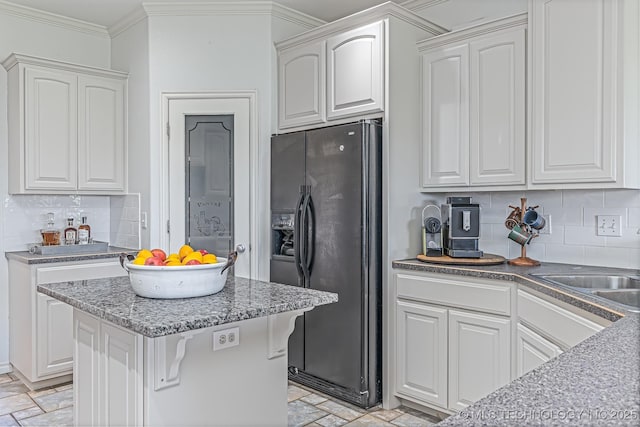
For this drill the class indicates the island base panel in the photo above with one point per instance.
(178, 379)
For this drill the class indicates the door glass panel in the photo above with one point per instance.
(209, 183)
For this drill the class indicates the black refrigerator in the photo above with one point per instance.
(326, 234)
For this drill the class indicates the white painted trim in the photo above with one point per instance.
(5, 368)
(250, 95)
(49, 18)
(16, 58)
(491, 27)
(367, 16)
(420, 5)
(127, 22)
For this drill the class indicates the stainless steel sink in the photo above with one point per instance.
(627, 296)
(595, 281)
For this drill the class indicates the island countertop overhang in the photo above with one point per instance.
(113, 299)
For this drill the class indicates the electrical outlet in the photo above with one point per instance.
(609, 225)
(547, 225)
(226, 338)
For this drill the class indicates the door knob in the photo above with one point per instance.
(240, 248)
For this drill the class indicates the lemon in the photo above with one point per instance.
(173, 262)
(144, 254)
(174, 256)
(184, 251)
(193, 255)
(139, 261)
(209, 259)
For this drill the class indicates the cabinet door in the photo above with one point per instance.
(573, 102)
(497, 109)
(445, 116)
(101, 139)
(532, 350)
(50, 129)
(54, 336)
(355, 64)
(301, 85)
(479, 356)
(121, 361)
(86, 370)
(421, 358)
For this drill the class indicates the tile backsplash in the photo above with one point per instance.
(573, 236)
(114, 219)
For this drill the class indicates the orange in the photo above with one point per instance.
(184, 251)
(173, 262)
(144, 254)
(209, 259)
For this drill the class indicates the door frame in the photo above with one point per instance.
(251, 97)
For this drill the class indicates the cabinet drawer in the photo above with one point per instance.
(71, 272)
(476, 294)
(562, 326)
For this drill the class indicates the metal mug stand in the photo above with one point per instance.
(523, 260)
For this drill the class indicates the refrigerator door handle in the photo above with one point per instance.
(297, 228)
(304, 240)
(311, 238)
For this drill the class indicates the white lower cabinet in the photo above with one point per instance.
(422, 352)
(532, 350)
(479, 356)
(41, 327)
(446, 357)
(459, 338)
(109, 363)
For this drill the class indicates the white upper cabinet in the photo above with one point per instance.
(473, 107)
(50, 129)
(301, 85)
(67, 128)
(355, 79)
(584, 94)
(101, 135)
(445, 126)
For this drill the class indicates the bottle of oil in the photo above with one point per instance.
(84, 232)
(70, 233)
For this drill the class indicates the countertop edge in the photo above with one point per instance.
(26, 257)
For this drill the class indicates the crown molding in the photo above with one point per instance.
(215, 8)
(18, 58)
(420, 5)
(367, 16)
(519, 20)
(127, 22)
(53, 19)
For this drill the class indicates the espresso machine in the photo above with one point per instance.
(461, 228)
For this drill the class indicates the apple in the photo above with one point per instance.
(159, 253)
(153, 260)
(193, 262)
(203, 251)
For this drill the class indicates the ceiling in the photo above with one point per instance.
(109, 12)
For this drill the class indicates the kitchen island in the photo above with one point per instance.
(214, 360)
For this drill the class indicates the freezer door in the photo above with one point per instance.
(334, 337)
(287, 170)
(287, 175)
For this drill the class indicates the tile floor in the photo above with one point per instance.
(54, 407)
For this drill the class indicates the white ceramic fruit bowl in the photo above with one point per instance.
(177, 282)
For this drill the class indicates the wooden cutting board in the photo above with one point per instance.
(486, 259)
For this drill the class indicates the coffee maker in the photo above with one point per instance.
(461, 228)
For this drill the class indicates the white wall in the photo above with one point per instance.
(573, 236)
(212, 52)
(31, 37)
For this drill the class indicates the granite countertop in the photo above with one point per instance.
(594, 382)
(29, 258)
(113, 299)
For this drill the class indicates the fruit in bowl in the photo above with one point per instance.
(184, 274)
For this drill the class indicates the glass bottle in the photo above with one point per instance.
(70, 233)
(50, 235)
(84, 232)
